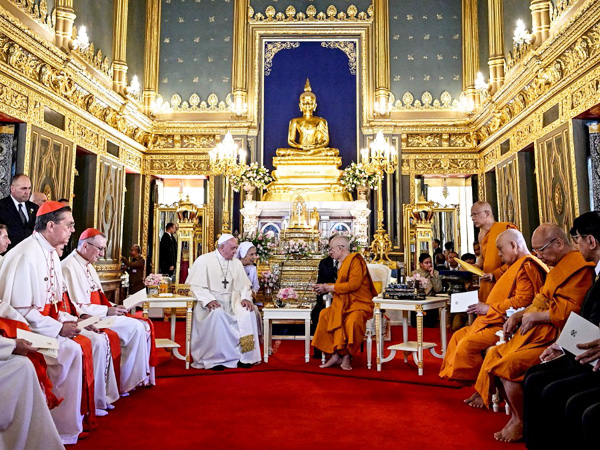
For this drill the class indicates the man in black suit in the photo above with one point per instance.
(168, 250)
(17, 212)
(328, 268)
(562, 396)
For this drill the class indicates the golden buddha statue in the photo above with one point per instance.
(308, 166)
(309, 134)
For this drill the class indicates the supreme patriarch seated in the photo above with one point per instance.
(341, 328)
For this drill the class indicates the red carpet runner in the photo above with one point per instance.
(289, 404)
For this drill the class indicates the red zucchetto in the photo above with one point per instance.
(48, 207)
(89, 233)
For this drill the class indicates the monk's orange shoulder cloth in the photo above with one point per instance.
(491, 261)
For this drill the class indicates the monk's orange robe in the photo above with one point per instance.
(562, 293)
(516, 289)
(342, 326)
(490, 259)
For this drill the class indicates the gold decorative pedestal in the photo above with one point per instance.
(315, 177)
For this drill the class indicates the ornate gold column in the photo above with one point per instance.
(382, 54)
(152, 50)
(65, 16)
(470, 47)
(540, 18)
(120, 46)
(240, 26)
(496, 40)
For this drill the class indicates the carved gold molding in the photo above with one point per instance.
(311, 15)
(94, 58)
(170, 164)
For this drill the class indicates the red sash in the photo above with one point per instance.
(8, 328)
(88, 404)
(98, 298)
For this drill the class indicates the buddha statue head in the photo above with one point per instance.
(308, 100)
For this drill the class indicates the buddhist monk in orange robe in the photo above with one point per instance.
(490, 263)
(515, 289)
(341, 328)
(540, 324)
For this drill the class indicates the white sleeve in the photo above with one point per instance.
(7, 346)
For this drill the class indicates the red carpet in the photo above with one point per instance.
(289, 404)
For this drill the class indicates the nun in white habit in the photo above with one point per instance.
(225, 332)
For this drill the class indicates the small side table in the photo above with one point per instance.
(270, 314)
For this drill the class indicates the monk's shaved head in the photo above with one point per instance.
(482, 215)
(550, 243)
(511, 246)
(340, 240)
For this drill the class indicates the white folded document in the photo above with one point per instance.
(46, 345)
(105, 322)
(461, 301)
(578, 330)
(87, 322)
(135, 299)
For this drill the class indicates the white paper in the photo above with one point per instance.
(461, 301)
(578, 330)
(106, 322)
(135, 299)
(38, 340)
(51, 352)
(87, 322)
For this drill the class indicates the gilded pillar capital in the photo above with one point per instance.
(540, 18)
(63, 30)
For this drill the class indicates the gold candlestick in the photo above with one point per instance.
(378, 159)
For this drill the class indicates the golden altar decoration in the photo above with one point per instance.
(419, 232)
(300, 227)
(308, 165)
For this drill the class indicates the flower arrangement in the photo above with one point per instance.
(269, 279)
(356, 175)
(253, 175)
(287, 294)
(355, 245)
(153, 279)
(420, 282)
(265, 243)
(297, 249)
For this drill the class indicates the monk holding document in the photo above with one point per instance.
(342, 326)
(483, 218)
(515, 289)
(540, 324)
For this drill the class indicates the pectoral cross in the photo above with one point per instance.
(225, 283)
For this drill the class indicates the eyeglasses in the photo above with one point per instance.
(577, 237)
(544, 247)
(100, 249)
(476, 214)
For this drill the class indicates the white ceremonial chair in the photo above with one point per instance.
(380, 273)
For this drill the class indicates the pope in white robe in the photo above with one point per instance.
(224, 333)
(25, 420)
(82, 283)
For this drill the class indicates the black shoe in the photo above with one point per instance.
(218, 368)
(242, 365)
(317, 354)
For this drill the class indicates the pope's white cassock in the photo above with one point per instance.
(228, 334)
(25, 420)
(134, 335)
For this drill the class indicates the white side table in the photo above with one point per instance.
(270, 314)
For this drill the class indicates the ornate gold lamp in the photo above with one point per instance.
(378, 159)
(228, 160)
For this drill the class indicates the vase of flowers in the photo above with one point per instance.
(355, 176)
(265, 243)
(420, 283)
(284, 295)
(269, 280)
(251, 178)
(152, 283)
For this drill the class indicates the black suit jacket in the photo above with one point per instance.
(9, 216)
(327, 273)
(590, 309)
(168, 253)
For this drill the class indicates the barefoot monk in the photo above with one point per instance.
(342, 326)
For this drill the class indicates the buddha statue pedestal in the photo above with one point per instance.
(315, 177)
